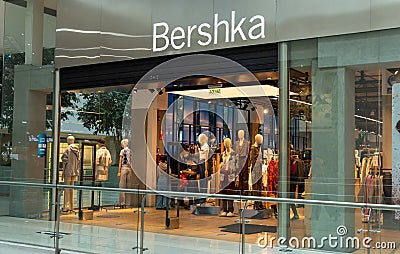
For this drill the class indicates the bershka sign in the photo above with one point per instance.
(180, 37)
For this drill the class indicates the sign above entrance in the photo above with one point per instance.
(180, 37)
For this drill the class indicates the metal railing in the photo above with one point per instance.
(177, 194)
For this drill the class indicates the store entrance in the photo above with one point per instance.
(182, 115)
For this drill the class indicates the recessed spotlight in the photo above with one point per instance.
(209, 102)
(265, 111)
(269, 78)
(396, 72)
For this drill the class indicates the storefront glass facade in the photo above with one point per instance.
(278, 128)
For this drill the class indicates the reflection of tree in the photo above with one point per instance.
(7, 90)
(103, 113)
(68, 100)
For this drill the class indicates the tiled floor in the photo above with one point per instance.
(118, 235)
(95, 239)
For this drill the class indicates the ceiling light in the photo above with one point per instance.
(265, 111)
(396, 72)
(269, 78)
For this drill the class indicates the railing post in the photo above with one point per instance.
(243, 227)
(142, 226)
(141, 241)
(56, 135)
(58, 212)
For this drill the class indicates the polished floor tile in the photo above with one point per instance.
(96, 239)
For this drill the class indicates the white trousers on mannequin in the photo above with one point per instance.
(125, 182)
(69, 193)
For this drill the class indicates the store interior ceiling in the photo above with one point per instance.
(368, 92)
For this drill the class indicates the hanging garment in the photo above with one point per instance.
(265, 175)
(273, 177)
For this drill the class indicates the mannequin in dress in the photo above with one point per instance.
(255, 162)
(70, 161)
(228, 175)
(242, 148)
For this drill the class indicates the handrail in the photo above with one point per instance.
(205, 195)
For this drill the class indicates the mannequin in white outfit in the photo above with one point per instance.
(203, 165)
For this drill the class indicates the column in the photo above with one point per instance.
(34, 32)
(29, 119)
(283, 218)
(143, 137)
(332, 150)
(152, 137)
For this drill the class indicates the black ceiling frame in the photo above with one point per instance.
(256, 58)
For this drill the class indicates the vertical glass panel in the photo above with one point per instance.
(26, 122)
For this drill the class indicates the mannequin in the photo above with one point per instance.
(242, 148)
(103, 161)
(256, 169)
(125, 173)
(203, 155)
(70, 161)
(202, 166)
(228, 175)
